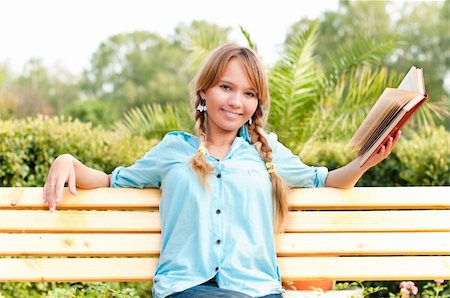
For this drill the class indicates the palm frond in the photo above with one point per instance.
(363, 50)
(250, 42)
(154, 120)
(202, 39)
(295, 85)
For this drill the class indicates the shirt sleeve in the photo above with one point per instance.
(146, 171)
(293, 171)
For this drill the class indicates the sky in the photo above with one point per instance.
(64, 34)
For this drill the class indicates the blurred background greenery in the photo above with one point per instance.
(330, 72)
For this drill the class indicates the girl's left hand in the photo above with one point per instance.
(384, 151)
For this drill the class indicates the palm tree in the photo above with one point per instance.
(314, 101)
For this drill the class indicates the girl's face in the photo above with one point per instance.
(231, 102)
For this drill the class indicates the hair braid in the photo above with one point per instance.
(279, 187)
(199, 163)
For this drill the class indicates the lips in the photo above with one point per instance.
(231, 114)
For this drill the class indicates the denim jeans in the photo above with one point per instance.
(211, 289)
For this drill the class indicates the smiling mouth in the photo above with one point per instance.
(231, 113)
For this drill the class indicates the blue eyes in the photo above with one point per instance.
(228, 88)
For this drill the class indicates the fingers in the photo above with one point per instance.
(50, 194)
(71, 182)
(388, 148)
(59, 190)
(53, 192)
(397, 137)
(391, 143)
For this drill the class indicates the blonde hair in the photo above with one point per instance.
(209, 75)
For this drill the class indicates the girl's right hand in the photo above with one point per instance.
(61, 171)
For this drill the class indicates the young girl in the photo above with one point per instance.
(223, 189)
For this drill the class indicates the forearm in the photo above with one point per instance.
(346, 176)
(87, 177)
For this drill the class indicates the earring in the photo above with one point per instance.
(201, 106)
(250, 121)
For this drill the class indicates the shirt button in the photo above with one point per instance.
(218, 211)
(217, 268)
(218, 241)
(219, 175)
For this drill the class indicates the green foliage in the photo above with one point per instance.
(8, 105)
(29, 146)
(368, 291)
(200, 38)
(426, 157)
(97, 112)
(419, 31)
(81, 289)
(154, 121)
(137, 68)
(295, 88)
(313, 100)
(392, 289)
(250, 42)
(420, 158)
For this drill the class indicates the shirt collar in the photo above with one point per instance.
(243, 133)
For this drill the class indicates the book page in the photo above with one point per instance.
(372, 139)
(413, 81)
(381, 137)
(390, 101)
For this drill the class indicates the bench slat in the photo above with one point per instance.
(369, 221)
(99, 198)
(80, 244)
(305, 198)
(77, 269)
(333, 244)
(141, 269)
(360, 198)
(37, 221)
(366, 268)
(298, 221)
(289, 244)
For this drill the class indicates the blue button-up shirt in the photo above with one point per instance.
(225, 230)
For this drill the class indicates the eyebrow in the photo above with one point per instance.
(231, 83)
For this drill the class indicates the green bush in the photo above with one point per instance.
(29, 146)
(98, 112)
(79, 289)
(420, 158)
(426, 158)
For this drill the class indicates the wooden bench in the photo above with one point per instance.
(358, 234)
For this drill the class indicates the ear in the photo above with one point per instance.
(202, 94)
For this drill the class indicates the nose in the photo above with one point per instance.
(235, 100)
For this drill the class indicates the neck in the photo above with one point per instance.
(220, 138)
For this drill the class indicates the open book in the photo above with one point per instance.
(391, 111)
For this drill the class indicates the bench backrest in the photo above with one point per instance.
(357, 234)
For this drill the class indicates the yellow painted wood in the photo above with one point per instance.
(80, 244)
(371, 221)
(300, 198)
(142, 269)
(99, 198)
(374, 245)
(298, 221)
(332, 244)
(287, 245)
(77, 269)
(366, 268)
(414, 197)
(78, 221)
